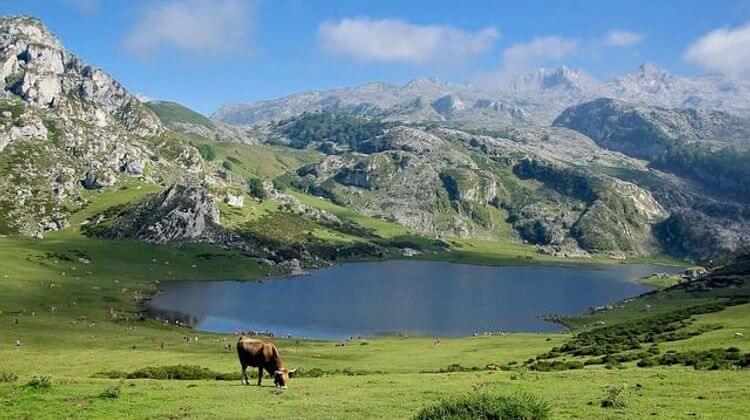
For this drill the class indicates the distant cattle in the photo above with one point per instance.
(262, 355)
(738, 335)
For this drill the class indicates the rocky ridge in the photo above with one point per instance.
(65, 125)
(535, 97)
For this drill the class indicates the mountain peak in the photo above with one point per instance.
(568, 77)
(649, 71)
(29, 29)
(424, 82)
(562, 77)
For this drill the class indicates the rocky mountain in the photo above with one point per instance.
(535, 97)
(419, 100)
(647, 131)
(66, 126)
(651, 85)
(542, 185)
(708, 151)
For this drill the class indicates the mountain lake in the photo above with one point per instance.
(402, 297)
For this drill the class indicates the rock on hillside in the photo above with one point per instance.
(65, 125)
(178, 214)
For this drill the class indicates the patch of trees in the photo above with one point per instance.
(342, 129)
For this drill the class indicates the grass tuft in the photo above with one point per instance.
(40, 382)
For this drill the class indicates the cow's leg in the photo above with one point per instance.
(260, 375)
(244, 375)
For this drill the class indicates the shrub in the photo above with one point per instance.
(713, 359)
(556, 365)
(614, 396)
(206, 151)
(179, 372)
(256, 189)
(646, 362)
(227, 165)
(111, 392)
(457, 367)
(483, 406)
(8, 376)
(40, 382)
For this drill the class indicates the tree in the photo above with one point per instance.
(256, 188)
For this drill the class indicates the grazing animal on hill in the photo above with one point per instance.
(262, 355)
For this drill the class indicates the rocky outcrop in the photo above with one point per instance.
(179, 214)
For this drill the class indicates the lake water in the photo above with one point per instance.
(413, 297)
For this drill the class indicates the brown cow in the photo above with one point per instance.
(257, 353)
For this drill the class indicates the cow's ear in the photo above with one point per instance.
(292, 371)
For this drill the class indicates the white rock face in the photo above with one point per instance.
(32, 130)
(232, 200)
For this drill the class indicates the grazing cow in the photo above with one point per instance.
(257, 353)
(738, 335)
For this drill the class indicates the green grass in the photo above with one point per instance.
(259, 160)
(660, 280)
(172, 112)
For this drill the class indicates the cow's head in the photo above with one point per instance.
(281, 376)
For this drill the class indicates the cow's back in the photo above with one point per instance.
(258, 353)
(251, 352)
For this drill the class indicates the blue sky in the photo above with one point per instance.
(207, 53)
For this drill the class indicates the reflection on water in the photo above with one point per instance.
(434, 298)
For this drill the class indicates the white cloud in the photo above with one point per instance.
(200, 26)
(87, 7)
(528, 54)
(619, 38)
(723, 50)
(366, 39)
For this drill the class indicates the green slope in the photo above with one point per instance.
(172, 112)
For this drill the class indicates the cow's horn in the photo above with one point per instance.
(293, 370)
(278, 372)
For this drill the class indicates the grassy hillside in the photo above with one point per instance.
(172, 112)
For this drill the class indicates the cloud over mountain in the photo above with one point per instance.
(528, 54)
(723, 50)
(395, 40)
(198, 26)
